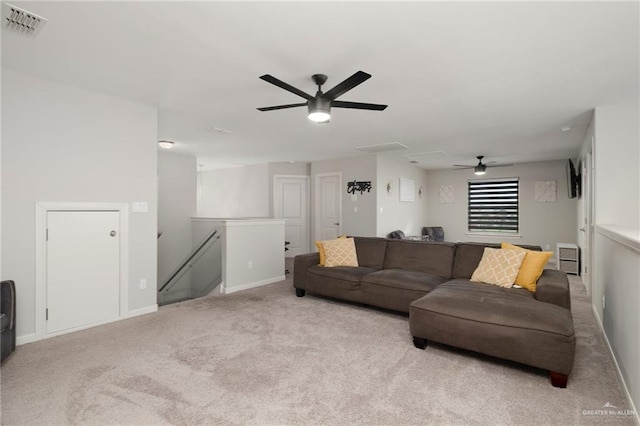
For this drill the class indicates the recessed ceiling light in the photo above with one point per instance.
(165, 144)
(566, 128)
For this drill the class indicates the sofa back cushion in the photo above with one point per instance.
(435, 258)
(468, 256)
(371, 251)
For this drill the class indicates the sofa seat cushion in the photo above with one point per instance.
(405, 280)
(502, 322)
(396, 288)
(340, 282)
(344, 273)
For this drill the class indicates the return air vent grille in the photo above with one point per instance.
(20, 21)
(426, 157)
(383, 147)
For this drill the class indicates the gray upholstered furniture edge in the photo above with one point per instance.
(8, 310)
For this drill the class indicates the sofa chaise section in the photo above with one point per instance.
(506, 323)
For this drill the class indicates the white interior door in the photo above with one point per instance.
(83, 268)
(291, 202)
(328, 206)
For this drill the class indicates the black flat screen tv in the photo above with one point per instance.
(573, 180)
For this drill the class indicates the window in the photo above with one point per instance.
(493, 206)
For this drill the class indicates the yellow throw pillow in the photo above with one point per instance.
(321, 250)
(532, 266)
(498, 267)
(340, 252)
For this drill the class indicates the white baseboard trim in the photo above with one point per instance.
(26, 338)
(30, 338)
(142, 311)
(618, 370)
(228, 290)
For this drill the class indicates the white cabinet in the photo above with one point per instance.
(568, 258)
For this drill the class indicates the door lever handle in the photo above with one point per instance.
(583, 229)
(337, 224)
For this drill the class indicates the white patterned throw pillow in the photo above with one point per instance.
(340, 252)
(498, 267)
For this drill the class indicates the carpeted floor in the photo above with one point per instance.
(264, 356)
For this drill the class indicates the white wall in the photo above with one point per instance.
(235, 192)
(66, 144)
(393, 214)
(616, 259)
(176, 207)
(253, 253)
(363, 222)
(541, 224)
(616, 161)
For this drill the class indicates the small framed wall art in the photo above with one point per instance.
(407, 190)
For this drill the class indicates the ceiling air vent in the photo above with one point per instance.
(428, 156)
(21, 21)
(383, 147)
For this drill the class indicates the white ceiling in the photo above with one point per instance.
(492, 78)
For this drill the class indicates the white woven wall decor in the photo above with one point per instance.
(545, 191)
(447, 195)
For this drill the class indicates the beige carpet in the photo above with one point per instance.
(264, 356)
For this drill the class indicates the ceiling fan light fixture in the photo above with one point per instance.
(319, 110)
(319, 116)
(480, 169)
(165, 144)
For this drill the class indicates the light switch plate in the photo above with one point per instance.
(140, 207)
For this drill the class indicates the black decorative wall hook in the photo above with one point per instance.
(354, 186)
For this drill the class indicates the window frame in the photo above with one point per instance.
(495, 231)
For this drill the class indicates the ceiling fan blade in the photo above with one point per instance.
(357, 105)
(281, 84)
(271, 108)
(464, 166)
(500, 165)
(347, 85)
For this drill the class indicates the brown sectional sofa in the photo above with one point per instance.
(430, 281)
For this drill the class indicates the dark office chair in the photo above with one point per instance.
(397, 235)
(7, 318)
(435, 233)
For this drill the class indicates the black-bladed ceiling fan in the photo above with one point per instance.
(480, 168)
(320, 104)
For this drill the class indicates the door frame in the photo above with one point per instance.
(587, 193)
(307, 201)
(41, 211)
(316, 206)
